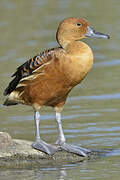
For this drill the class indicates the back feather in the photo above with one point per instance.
(28, 67)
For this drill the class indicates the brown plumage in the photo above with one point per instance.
(27, 68)
(47, 78)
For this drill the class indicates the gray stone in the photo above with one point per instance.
(16, 153)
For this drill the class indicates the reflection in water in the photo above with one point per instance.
(48, 173)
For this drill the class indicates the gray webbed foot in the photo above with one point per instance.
(75, 149)
(44, 147)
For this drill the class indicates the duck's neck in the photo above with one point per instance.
(79, 60)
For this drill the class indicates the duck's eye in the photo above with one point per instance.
(78, 24)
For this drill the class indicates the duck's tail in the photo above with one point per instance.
(12, 85)
(9, 102)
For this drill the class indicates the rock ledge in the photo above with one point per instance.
(16, 153)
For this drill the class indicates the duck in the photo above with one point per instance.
(47, 79)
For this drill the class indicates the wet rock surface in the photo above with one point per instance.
(19, 153)
(16, 153)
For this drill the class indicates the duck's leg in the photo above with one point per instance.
(65, 146)
(61, 137)
(40, 144)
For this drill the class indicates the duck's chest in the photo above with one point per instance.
(76, 67)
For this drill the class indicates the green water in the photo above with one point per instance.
(91, 116)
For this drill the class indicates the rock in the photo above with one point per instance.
(5, 140)
(16, 153)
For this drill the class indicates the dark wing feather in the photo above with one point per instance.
(28, 67)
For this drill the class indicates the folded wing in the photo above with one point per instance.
(28, 68)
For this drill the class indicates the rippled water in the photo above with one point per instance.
(91, 116)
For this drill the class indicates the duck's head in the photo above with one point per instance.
(75, 29)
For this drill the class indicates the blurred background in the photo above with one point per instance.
(91, 116)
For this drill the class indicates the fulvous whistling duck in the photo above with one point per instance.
(47, 78)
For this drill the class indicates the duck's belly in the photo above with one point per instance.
(46, 89)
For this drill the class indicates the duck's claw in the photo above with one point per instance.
(44, 147)
(75, 149)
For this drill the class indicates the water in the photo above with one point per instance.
(91, 114)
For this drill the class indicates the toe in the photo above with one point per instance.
(74, 149)
(59, 142)
(44, 147)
